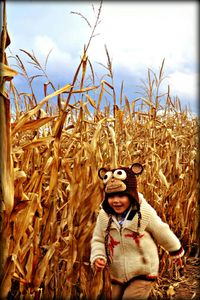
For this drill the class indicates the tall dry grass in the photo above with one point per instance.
(55, 153)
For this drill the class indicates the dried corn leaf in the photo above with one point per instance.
(29, 265)
(33, 111)
(83, 90)
(108, 84)
(170, 291)
(84, 65)
(24, 218)
(33, 124)
(7, 72)
(7, 275)
(38, 142)
(42, 267)
(91, 101)
(147, 101)
(163, 179)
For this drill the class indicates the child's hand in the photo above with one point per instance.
(100, 264)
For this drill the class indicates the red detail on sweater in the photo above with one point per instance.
(112, 244)
(136, 237)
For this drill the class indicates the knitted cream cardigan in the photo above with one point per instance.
(133, 256)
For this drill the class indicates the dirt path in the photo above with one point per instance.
(186, 288)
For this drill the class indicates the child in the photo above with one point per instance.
(126, 233)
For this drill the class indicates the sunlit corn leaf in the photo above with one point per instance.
(163, 179)
(34, 124)
(91, 101)
(7, 72)
(38, 142)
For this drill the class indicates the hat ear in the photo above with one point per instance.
(137, 168)
(102, 172)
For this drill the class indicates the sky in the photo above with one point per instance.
(137, 34)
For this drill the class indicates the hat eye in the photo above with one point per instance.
(107, 176)
(120, 174)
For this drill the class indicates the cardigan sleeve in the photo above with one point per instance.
(97, 241)
(163, 234)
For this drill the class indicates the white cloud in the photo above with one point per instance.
(183, 85)
(142, 34)
(61, 64)
(43, 44)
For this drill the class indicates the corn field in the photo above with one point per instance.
(50, 156)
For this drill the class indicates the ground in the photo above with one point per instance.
(184, 288)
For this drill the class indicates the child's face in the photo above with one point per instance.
(119, 203)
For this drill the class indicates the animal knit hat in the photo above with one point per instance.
(120, 181)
